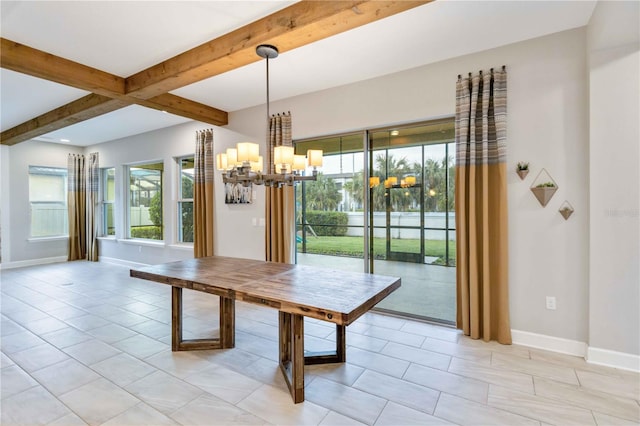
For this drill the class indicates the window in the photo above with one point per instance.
(185, 200)
(48, 200)
(145, 201)
(108, 189)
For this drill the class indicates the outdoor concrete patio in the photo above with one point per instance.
(427, 290)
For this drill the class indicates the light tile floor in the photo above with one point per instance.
(83, 343)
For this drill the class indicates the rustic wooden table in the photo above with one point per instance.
(295, 290)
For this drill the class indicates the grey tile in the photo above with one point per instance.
(91, 351)
(123, 369)
(111, 333)
(19, 409)
(66, 337)
(590, 399)
(345, 400)
(224, 383)
(141, 346)
(487, 373)
(336, 419)
(199, 413)
(397, 390)
(377, 362)
(464, 412)
(19, 341)
(444, 381)
(163, 392)
(418, 356)
(64, 376)
(275, 406)
(626, 386)
(140, 414)
(535, 368)
(396, 414)
(543, 409)
(98, 401)
(39, 357)
(395, 336)
(14, 380)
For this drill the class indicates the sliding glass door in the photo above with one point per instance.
(393, 215)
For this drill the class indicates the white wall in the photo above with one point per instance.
(166, 145)
(614, 66)
(547, 126)
(15, 171)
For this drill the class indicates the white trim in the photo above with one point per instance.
(549, 343)
(116, 261)
(32, 262)
(142, 242)
(44, 239)
(621, 360)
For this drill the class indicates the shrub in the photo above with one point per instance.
(150, 232)
(328, 224)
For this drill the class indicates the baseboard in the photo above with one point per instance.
(613, 359)
(121, 262)
(549, 343)
(32, 262)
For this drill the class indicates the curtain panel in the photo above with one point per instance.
(481, 206)
(280, 202)
(93, 200)
(76, 205)
(203, 193)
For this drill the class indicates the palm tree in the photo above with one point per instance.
(322, 194)
(354, 188)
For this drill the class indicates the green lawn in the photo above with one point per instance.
(352, 247)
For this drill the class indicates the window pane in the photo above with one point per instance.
(185, 205)
(107, 214)
(108, 200)
(185, 217)
(48, 200)
(186, 176)
(109, 184)
(145, 201)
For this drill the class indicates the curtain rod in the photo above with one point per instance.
(504, 67)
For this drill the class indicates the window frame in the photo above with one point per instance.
(104, 202)
(180, 200)
(127, 183)
(51, 171)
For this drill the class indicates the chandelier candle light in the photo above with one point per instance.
(244, 164)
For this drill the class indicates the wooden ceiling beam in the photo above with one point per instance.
(106, 87)
(27, 60)
(82, 109)
(300, 24)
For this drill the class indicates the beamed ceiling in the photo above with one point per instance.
(91, 67)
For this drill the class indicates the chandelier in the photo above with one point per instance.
(244, 164)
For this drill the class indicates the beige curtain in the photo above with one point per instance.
(280, 207)
(93, 198)
(203, 194)
(481, 207)
(76, 202)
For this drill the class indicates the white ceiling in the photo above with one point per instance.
(123, 37)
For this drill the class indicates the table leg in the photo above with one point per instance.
(227, 326)
(292, 353)
(339, 355)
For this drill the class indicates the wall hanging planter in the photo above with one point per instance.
(522, 169)
(544, 187)
(566, 209)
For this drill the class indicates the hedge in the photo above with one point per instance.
(150, 232)
(328, 224)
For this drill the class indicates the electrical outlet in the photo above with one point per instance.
(551, 303)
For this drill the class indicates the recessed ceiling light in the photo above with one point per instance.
(395, 133)
(65, 140)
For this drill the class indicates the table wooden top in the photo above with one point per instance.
(323, 293)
